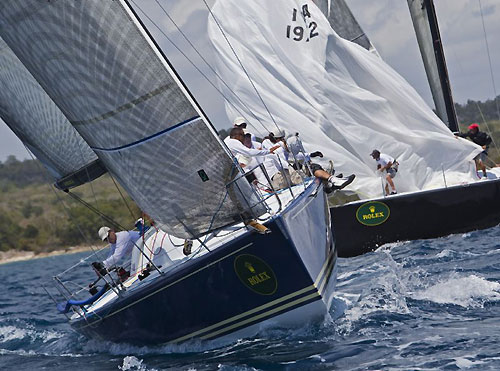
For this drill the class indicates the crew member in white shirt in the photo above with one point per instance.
(389, 165)
(120, 245)
(235, 143)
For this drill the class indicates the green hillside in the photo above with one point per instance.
(36, 217)
(486, 114)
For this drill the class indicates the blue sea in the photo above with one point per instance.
(420, 305)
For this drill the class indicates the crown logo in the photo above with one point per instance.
(249, 267)
(372, 209)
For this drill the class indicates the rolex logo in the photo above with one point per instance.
(373, 213)
(249, 267)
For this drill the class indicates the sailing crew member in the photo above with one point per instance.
(482, 139)
(299, 157)
(277, 165)
(389, 165)
(240, 122)
(235, 144)
(120, 245)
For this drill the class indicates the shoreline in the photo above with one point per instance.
(12, 256)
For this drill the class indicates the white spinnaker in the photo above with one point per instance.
(342, 99)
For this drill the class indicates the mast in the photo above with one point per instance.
(424, 19)
(344, 23)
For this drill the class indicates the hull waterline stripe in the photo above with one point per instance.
(315, 295)
(245, 314)
(262, 315)
(323, 273)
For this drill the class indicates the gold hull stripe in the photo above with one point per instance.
(244, 314)
(323, 273)
(262, 315)
(315, 294)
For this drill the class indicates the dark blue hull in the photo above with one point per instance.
(419, 215)
(250, 280)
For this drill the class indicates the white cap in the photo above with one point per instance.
(239, 120)
(278, 133)
(103, 232)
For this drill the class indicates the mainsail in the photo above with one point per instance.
(42, 127)
(344, 23)
(424, 20)
(342, 99)
(101, 68)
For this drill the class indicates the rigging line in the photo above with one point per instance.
(211, 68)
(489, 59)
(88, 175)
(65, 207)
(121, 194)
(487, 127)
(95, 210)
(477, 105)
(241, 64)
(198, 69)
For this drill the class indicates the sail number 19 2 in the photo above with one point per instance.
(299, 33)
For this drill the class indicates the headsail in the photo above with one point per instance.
(42, 127)
(344, 23)
(342, 99)
(102, 69)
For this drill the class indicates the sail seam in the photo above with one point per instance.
(149, 138)
(125, 106)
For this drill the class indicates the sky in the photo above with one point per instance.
(388, 25)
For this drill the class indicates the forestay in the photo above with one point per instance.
(342, 99)
(100, 67)
(344, 23)
(41, 126)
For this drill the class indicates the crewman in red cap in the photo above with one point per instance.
(482, 139)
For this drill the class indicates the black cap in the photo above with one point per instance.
(375, 152)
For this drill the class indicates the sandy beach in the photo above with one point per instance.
(16, 255)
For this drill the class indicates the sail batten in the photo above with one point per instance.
(121, 94)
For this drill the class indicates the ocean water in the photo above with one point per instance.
(420, 305)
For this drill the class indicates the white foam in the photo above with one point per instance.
(444, 253)
(470, 291)
(8, 333)
(464, 363)
(132, 363)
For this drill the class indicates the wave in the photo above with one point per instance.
(470, 291)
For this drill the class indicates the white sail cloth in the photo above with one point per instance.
(343, 100)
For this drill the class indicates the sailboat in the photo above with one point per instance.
(438, 211)
(89, 91)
